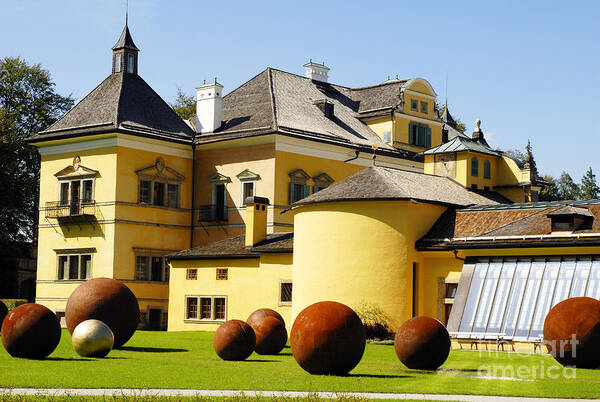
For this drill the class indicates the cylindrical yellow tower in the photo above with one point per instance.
(359, 251)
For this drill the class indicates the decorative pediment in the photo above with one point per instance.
(159, 171)
(248, 175)
(299, 176)
(322, 180)
(217, 177)
(76, 171)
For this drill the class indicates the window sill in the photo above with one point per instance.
(69, 280)
(144, 281)
(285, 304)
(140, 204)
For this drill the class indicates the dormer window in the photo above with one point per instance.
(118, 62)
(569, 218)
(130, 63)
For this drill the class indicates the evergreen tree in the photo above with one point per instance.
(185, 105)
(567, 188)
(589, 188)
(551, 191)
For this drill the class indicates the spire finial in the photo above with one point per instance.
(126, 12)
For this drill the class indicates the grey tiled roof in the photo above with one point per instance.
(234, 247)
(459, 144)
(571, 210)
(379, 183)
(277, 101)
(122, 102)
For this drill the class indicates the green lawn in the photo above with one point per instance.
(187, 360)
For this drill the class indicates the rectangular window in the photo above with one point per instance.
(205, 308)
(423, 107)
(247, 190)
(298, 191)
(173, 195)
(158, 194)
(451, 290)
(118, 63)
(414, 105)
(222, 274)
(64, 193)
(419, 135)
(209, 308)
(145, 191)
(219, 308)
(285, 294)
(192, 308)
(74, 267)
(141, 268)
(88, 186)
(191, 274)
(387, 137)
(130, 63)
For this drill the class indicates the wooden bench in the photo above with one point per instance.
(476, 338)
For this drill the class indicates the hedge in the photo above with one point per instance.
(12, 303)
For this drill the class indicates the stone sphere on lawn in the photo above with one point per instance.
(31, 331)
(92, 338)
(106, 300)
(572, 332)
(234, 340)
(422, 343)
(327, 338)
(269, 328)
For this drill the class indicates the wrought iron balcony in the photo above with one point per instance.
(212, 213)
(66, 209)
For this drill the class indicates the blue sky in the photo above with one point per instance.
(527, 69)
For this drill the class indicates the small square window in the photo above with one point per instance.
(451, 290)
(414, 105)
(191, 274)
(285, 293)
(222, 274)
(423, 107)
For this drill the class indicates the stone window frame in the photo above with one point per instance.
(198, 299)
(161, 174)
(282, 302)
(149, 254)
(74, 253)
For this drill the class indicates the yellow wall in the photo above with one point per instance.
(120, 223)
(352, 252)
(251, 284)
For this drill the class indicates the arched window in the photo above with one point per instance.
(474, 167)
(486, 170)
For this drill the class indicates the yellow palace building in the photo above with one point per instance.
(125, 182)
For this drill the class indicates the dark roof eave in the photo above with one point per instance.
(219, 137)
(38, 138)
(443, 204)
(271, 250)
(212, 257)
(499, 245)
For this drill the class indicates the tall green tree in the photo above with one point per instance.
(588, 189)
(184, 105)
(567, 188)
(28, 104)
(551, 191)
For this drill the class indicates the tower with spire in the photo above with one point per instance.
(125, 53)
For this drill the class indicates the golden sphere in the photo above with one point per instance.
(92, 338)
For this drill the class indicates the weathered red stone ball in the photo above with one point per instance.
(327, 338)
(31, 331)
(422, 343)
(264, 312)
(269, 327)
(3, 311)
(572, 332)
(234, 340)
(107, 300)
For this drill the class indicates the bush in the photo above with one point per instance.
(375, 322)
(12, 303)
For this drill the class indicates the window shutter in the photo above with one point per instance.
(410, 133)
(306, 191)
(421, 138)
(428, 139)
(291, 193)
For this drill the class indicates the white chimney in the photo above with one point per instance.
(316, 71)
(209, 101)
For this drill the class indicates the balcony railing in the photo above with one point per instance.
(65, 209)
(212, 213)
